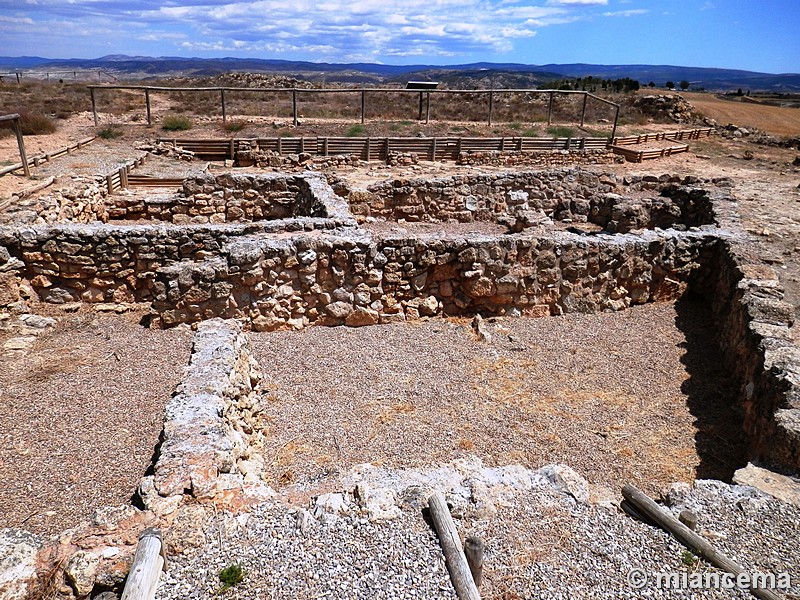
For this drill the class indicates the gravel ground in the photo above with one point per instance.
(346, 558)
(630, 397)
(541, 544)
(82, 410)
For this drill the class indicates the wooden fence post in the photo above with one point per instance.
(491, 106)
(147, 104)
(428, 108)
(550, 110)
(222, 99)
(363, 105)
(21, 143)
(94, 106)
(294, 107)
(583, 111)
(460, 573)
(148, 563)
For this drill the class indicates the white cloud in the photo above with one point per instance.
(627, 13)
(577, 2)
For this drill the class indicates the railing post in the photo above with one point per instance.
(428, 109)
(491, 105)
(363, 105)
(583, 111)
(147, 104)
(294, 107)
(222, 98)
(550, 110)
(21, 143)
(94, 106)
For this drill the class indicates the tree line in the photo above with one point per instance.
(593, 84)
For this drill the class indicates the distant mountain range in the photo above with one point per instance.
(481, 74)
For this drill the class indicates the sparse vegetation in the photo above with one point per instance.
(355, 131)
(33, 123)
(110, 132)
(234, 125)
(688, 558)
(176, 123)
(561, 131)
(230, 576)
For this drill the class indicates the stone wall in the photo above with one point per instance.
(82, 201)
(569, 195)
(233, 198)
(562, 158)
(212, 431)
(355, 279)
(757, 345)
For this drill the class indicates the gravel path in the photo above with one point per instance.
(540, 544)
(636, 396)
(82, 411)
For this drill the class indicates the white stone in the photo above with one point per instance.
(18, 550)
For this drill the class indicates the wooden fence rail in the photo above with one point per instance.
(47, 156)
(119, 179)
(369, 148)
(362, 93)
(685, 134)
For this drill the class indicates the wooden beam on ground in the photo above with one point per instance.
(460, 573)
(148, 563)
(647, 507)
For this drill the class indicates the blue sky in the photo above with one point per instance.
(745, 34)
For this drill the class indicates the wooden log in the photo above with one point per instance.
(451, 546)
(148, 563)
(21, 144)
(473, 549)
(645, 505)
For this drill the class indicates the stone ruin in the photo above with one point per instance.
(287, 251)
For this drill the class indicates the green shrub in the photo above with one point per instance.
(234, 126)
(35, 123)
(176, 123)
(355, 131)
(230, 576)
(560, 131)
(109, 133)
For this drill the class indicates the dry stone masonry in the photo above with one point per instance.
(285, 251)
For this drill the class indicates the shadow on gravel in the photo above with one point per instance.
(711, 394)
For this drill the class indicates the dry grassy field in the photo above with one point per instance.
(772, 119)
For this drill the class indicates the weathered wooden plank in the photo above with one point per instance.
(148, 563)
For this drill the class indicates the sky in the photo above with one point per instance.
(756, 35)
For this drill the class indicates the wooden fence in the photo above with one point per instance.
(119, 179)
(47, 156)
(369, 148)
(685, 134)
(424, 98)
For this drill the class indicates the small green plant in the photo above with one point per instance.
(355, 131)
(234, 126)
(532, 132)
(110, 132)
(230, 576)
(688, 558)
(515, 126)
(561, 131)
(176, 123)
